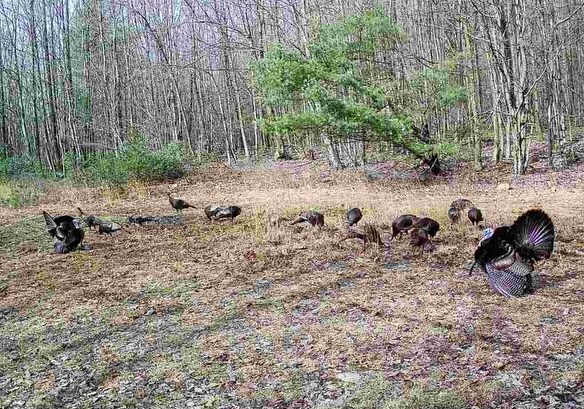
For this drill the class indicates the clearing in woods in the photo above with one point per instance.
(253, 315)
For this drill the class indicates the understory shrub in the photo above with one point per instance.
(23, 178)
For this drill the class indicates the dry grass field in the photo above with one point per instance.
(252, 315)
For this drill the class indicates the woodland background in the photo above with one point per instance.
(81, 80)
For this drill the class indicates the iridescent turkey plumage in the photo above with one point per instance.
(507, 254)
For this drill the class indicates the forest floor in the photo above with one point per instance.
(250, 315)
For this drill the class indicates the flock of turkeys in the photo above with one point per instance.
(506, 254)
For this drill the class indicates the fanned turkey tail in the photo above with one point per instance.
(50, 224)
(533, 234)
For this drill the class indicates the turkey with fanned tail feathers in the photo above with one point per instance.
(66, 231)
(507, 253)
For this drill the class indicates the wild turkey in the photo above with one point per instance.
(102, 226)
(218, 212)
(139, 219)
(52, 223)
(66, 231)
(418, 237)
(428, 225)
(433, 163)
(353, 216)
(166, 220)
(313, 217)
(507, 253)
(422, 231)
(402, 224)
(475, 216)
(454, 215)
(90, 221)
(108, 227)
(370, 235)
(178, 204)
(461, 204)
(425, 175)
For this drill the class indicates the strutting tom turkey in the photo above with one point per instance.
(66, 231)
(507, 253)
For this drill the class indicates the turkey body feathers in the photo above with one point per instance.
(508, 254)
(430, 226)
(65, 230)
(228, 212)
(353, 216)
(418, 237)
(72, 239)
(311, 216)
(108, 227)
(90, 221)
(533, 235)
(178, 204)
(402, 224)
(475, 215)
(102, 226)
(461, 204)
(454, 214)
(217, 212)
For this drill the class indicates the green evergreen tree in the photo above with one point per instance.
(342, 89)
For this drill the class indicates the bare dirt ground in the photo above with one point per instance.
(255, 316)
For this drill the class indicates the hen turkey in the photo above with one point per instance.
(428, 225)
(102, 226)
(402, 224)
(422, 231)
(218, 212)
(313, 217)
(90, 221)
(475, 216)
(418, 237)
(353, 216)
(178, 204)
(507, 253)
